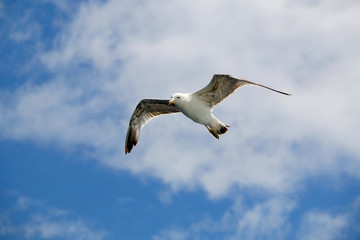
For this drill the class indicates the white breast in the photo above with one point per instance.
(196, 110)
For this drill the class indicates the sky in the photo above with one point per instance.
(72, 73)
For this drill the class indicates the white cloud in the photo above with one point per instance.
(262, 220)
(274, 142)
(274, 218)
(48, 228)
(172, 234)
(24, 203)
(269, 219)
(323, 226)
(50, 110)
(64, 5)
(40, 221)
(25, 29)
(165, 196)
(2, 14)
(20, 35)
(5, 226)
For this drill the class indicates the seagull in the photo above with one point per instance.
(197, 106)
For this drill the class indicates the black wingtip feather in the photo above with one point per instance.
(131, 139)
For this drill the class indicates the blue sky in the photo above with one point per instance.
(73, 72)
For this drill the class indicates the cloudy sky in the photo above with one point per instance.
(73, 72)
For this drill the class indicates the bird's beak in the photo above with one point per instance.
(171, 101)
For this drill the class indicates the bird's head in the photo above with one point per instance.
(177, 98)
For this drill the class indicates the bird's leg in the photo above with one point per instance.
(213, 132)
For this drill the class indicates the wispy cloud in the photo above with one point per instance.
(25, 28)
(40, 221)
(269, 219)
(323, 226)
(19, 35)
(263, 220)
(2, 9)
(171, 234)
(52, 227)
(64, 5)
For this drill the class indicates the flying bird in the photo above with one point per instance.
(197, 106)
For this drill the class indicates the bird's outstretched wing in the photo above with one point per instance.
(222, 85)
(144, 112)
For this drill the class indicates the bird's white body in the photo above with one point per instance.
(193, 108)
(198, 111)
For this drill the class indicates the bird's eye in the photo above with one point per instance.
(177, 97)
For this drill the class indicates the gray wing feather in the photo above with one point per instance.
(143, 113)
(222, 85)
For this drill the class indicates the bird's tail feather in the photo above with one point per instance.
(218, 129)
(222, 129)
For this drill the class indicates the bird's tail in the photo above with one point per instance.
(218, 128)
(222, 129)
